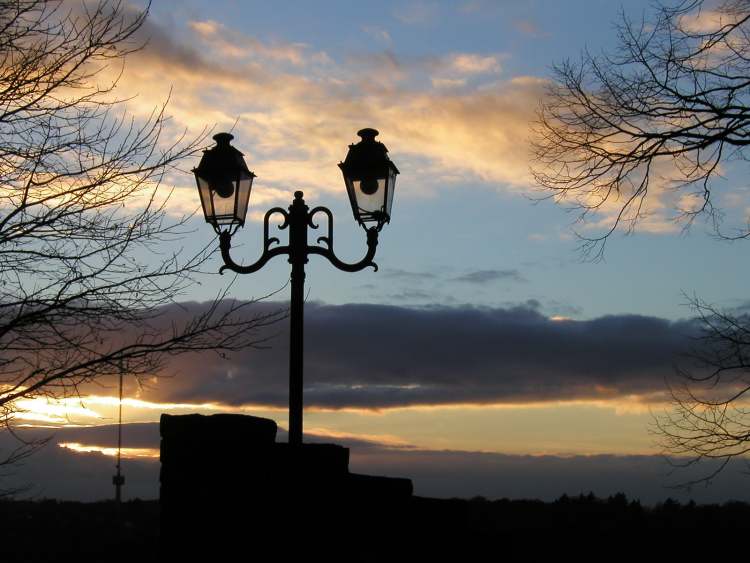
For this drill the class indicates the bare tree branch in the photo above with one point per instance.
(709, 419)
(669, 108)
(85, 274)
(663, 115)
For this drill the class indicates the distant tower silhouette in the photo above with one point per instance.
(119, 480)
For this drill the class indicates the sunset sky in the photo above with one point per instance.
(485, 357)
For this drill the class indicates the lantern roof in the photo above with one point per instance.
(368, 157)
(222, 160)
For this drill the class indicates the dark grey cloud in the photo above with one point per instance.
(134, 435)
(550, 307)
(377, 356)
(380, 356)
(411, 295)
(161, 46)
(467, 474)
(481, 277)
(398, 274)
(160, 43)
(55, 472)
(565, 309)
(59, 473)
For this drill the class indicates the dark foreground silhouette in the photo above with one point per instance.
(51, 530)
(227, 487)
(224, 478)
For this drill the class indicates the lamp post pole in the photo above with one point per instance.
(368, 173)
(298, 259)
(298, 220)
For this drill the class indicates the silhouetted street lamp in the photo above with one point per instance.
(224, 184)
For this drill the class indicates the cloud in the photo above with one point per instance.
(447, 119)
(446, 474)
(563, 309)
(361, 356)
(448, 82)
(472, 6)
(470, 63)
(229, 43)
(463, 70)
(380, 356)
(416, 12)
(481, 277)
(293, 109)
(396, 273)
(704, 21)
(134, 435)
(412, 295)
(379, 34)
(55, 472)
(529, 28)
(62, 473)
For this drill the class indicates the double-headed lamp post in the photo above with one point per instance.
(224, 183)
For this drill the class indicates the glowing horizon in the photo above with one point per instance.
(402, 426)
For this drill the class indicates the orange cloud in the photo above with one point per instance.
(295, 120)
(470, 63)
(293, 110)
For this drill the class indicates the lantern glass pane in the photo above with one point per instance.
(391, 187)
(224, 206)
(370, 194)
(243, 197)
(353, 199)
(205, 194)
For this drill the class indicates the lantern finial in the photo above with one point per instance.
(368, 134)
(223, 139)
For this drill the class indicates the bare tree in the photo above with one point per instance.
(86, 270)
(710, 416)
(669, 107)
(663, 113)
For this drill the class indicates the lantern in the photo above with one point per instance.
(370, 179)
(224, 184)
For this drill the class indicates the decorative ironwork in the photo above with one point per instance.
(298, 219)
(224, 184)
(296, 222)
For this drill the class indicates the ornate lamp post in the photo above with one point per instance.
(224, 184)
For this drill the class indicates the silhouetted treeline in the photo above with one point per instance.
(49, 530)
(482, 518)
(91, 527)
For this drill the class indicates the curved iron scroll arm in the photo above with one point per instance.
(372, 245)
(225, 243)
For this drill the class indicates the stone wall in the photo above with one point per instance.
(226, 482)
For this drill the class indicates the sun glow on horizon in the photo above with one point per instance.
(127, 453)
(561, 427)
(64, 411)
